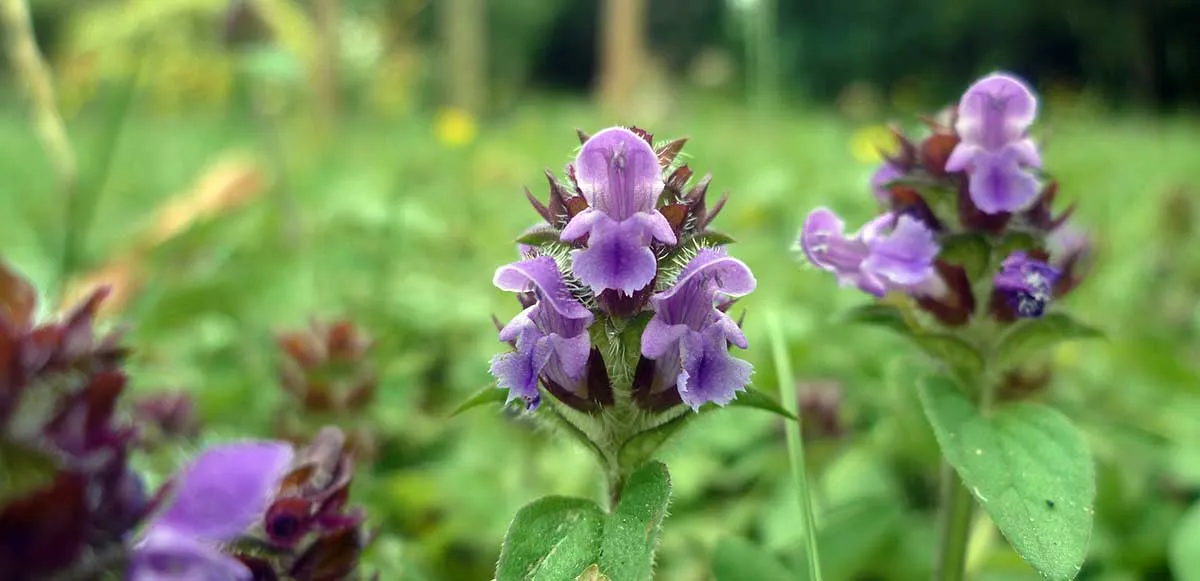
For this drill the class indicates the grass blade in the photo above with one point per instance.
(787, 384)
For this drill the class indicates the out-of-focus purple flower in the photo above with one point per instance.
(550, 335)
(619, 175)
(889, 252)
(888, 172)
(1026, 283)
(689, 336)
(994, 116)
(213, 500)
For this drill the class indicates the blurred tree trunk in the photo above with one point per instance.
(463, 29)
(623, 25)
(325, 69)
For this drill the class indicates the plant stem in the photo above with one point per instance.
(955, 527)
(795, 445)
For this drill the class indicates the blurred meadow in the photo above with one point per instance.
(246, 168)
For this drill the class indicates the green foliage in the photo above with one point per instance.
(1185, 546)
(488, 395)
(558, 538)
(553, 538)
(738, 560)
(1028, 466)
(1031, 336)
(756, 398)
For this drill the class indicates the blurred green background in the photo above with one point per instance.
(243, 168)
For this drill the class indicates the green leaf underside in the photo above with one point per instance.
(488, 395)
(551, 539)
(756, 398)
(739, 560)
(1029, 468)
(879, 315)
(1032, 336)
(1184, 551)
(632, 531)
(640, 448)
(962, 359)
(539, 237)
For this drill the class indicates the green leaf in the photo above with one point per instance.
(970, 251)
(550, 539)
(756, 398)
(738, 560)
(1028, 466)
(963, 360)
(488, 395)
(632, 530)
(1015, 241)
(539, 236)
(880, 315)
(1185, 546)
(1031, 336)
(710, 238)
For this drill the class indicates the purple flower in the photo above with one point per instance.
(888, 172)
(889, 252)
(689, 336)
(620, 177)
(994, 116)
(1026, 283)
(550, 335)
(214, 499)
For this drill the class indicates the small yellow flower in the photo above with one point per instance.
(868, 142)
(454, 127)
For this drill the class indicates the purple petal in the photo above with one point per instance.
(570, 357)
(580, 225)
(962, 155)
(823, 229)
(905, 257)
(998, 184)
(995, 111)
(221, 493)
(165, 555)
(885, 174)
(708, 276)
(1028, 284)
(658, 338)
(618, 173)
(518, 371)
(710, 373)
(541, 275)
(617, 257)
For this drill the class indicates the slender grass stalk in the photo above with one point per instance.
(787, 396)
(954, 528)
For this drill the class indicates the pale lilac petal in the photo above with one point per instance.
(656, 225)
(962, 155)
(617, 257)
(581, 224)
(728, 276)
(998, 184)
(822, 228)
(225, 489)
(886, 174)
(905, 256)
(732, 331)
(618, 173)
(519, 324)
(166, 555)
(995, 111)
(709, 373)
(658, 338)
(572, 353)
(518, 371)
(541, 274)
(1027, 153)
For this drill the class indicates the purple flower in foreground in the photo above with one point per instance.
(994, 116)
(619, 175)
(550, 335)
(689, 335)
(1027, 284)
(213, 500)
(889, 252)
